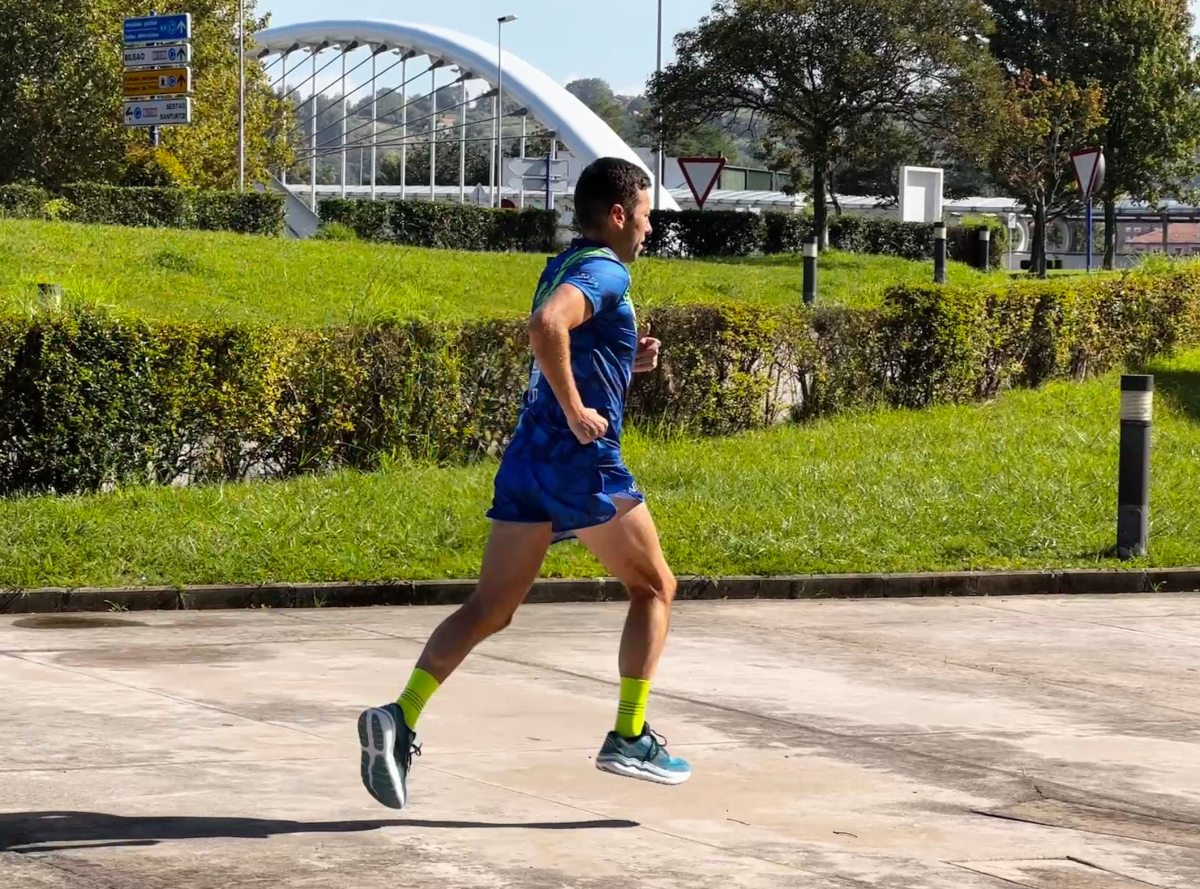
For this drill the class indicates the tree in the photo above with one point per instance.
(879, 147)
(61, 101)
(1143, 56)
(818, 69)
(417, 166)
(60, 90)
(598, 96)
(1039, 122)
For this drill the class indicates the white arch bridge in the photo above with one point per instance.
(406, 58)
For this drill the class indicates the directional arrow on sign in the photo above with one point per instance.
(701, 174)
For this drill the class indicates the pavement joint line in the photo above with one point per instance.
(166, 643)
(1091, 833)
(1006, 880)
(1095, 623)
(1008, 674)
(165, 695)
(1109, 870)
(88, 881)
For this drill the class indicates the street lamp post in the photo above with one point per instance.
(241, 32)
(658, 173)
(500, 23)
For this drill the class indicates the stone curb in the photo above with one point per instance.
(453, 592)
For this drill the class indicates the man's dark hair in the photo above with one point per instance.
(604, 183)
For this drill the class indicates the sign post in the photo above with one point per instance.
(158, 76)
(702, 174)
(1089, 175)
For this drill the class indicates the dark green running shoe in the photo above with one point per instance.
(388, 746)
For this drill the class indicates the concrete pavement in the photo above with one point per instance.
(1049, 743)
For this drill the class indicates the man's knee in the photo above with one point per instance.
(486, 620)
(658, 586)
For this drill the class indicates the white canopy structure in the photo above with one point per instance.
(585, 134)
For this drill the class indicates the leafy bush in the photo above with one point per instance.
(59, 210)
(249, 213)
(727, 233)
(335, 231)
(702, 233)
(445, 225)
(133, 206)
(154, 167)
(886, 237)
(963, 244)
(23, 201)
(786, 232)
(88, 399)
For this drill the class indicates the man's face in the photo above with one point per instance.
(633, 228)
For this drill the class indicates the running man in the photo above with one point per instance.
(562, 476)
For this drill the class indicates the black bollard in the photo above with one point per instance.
(810, 272)
(939, 253)
(985, 248)
(1133, 477)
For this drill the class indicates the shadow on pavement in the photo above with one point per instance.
(50, 831)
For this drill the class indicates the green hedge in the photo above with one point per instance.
(130, 205)
(88, 399)
(445, 225)
(23, 201)
(963, 241)
(251, 212)
(702, 233)
(710, 233)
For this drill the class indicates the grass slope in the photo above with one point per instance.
(1026, 481)
(162, 273)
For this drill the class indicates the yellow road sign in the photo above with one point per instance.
(158, 82)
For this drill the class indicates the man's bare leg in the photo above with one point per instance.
(511, 563)
(629, 549)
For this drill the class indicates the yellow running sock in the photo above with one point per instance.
(416, 695)
(631, 712)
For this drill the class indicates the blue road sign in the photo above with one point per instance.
(158, 28)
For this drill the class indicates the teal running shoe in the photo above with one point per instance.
(644, 757)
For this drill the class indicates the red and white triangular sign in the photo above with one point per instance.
(1089, 169)
(701, 174)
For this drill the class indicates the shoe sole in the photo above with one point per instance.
(380, 773)
(634, 769)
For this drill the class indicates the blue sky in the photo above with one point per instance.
(614, 39)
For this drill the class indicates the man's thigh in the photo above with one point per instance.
(628, 546)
